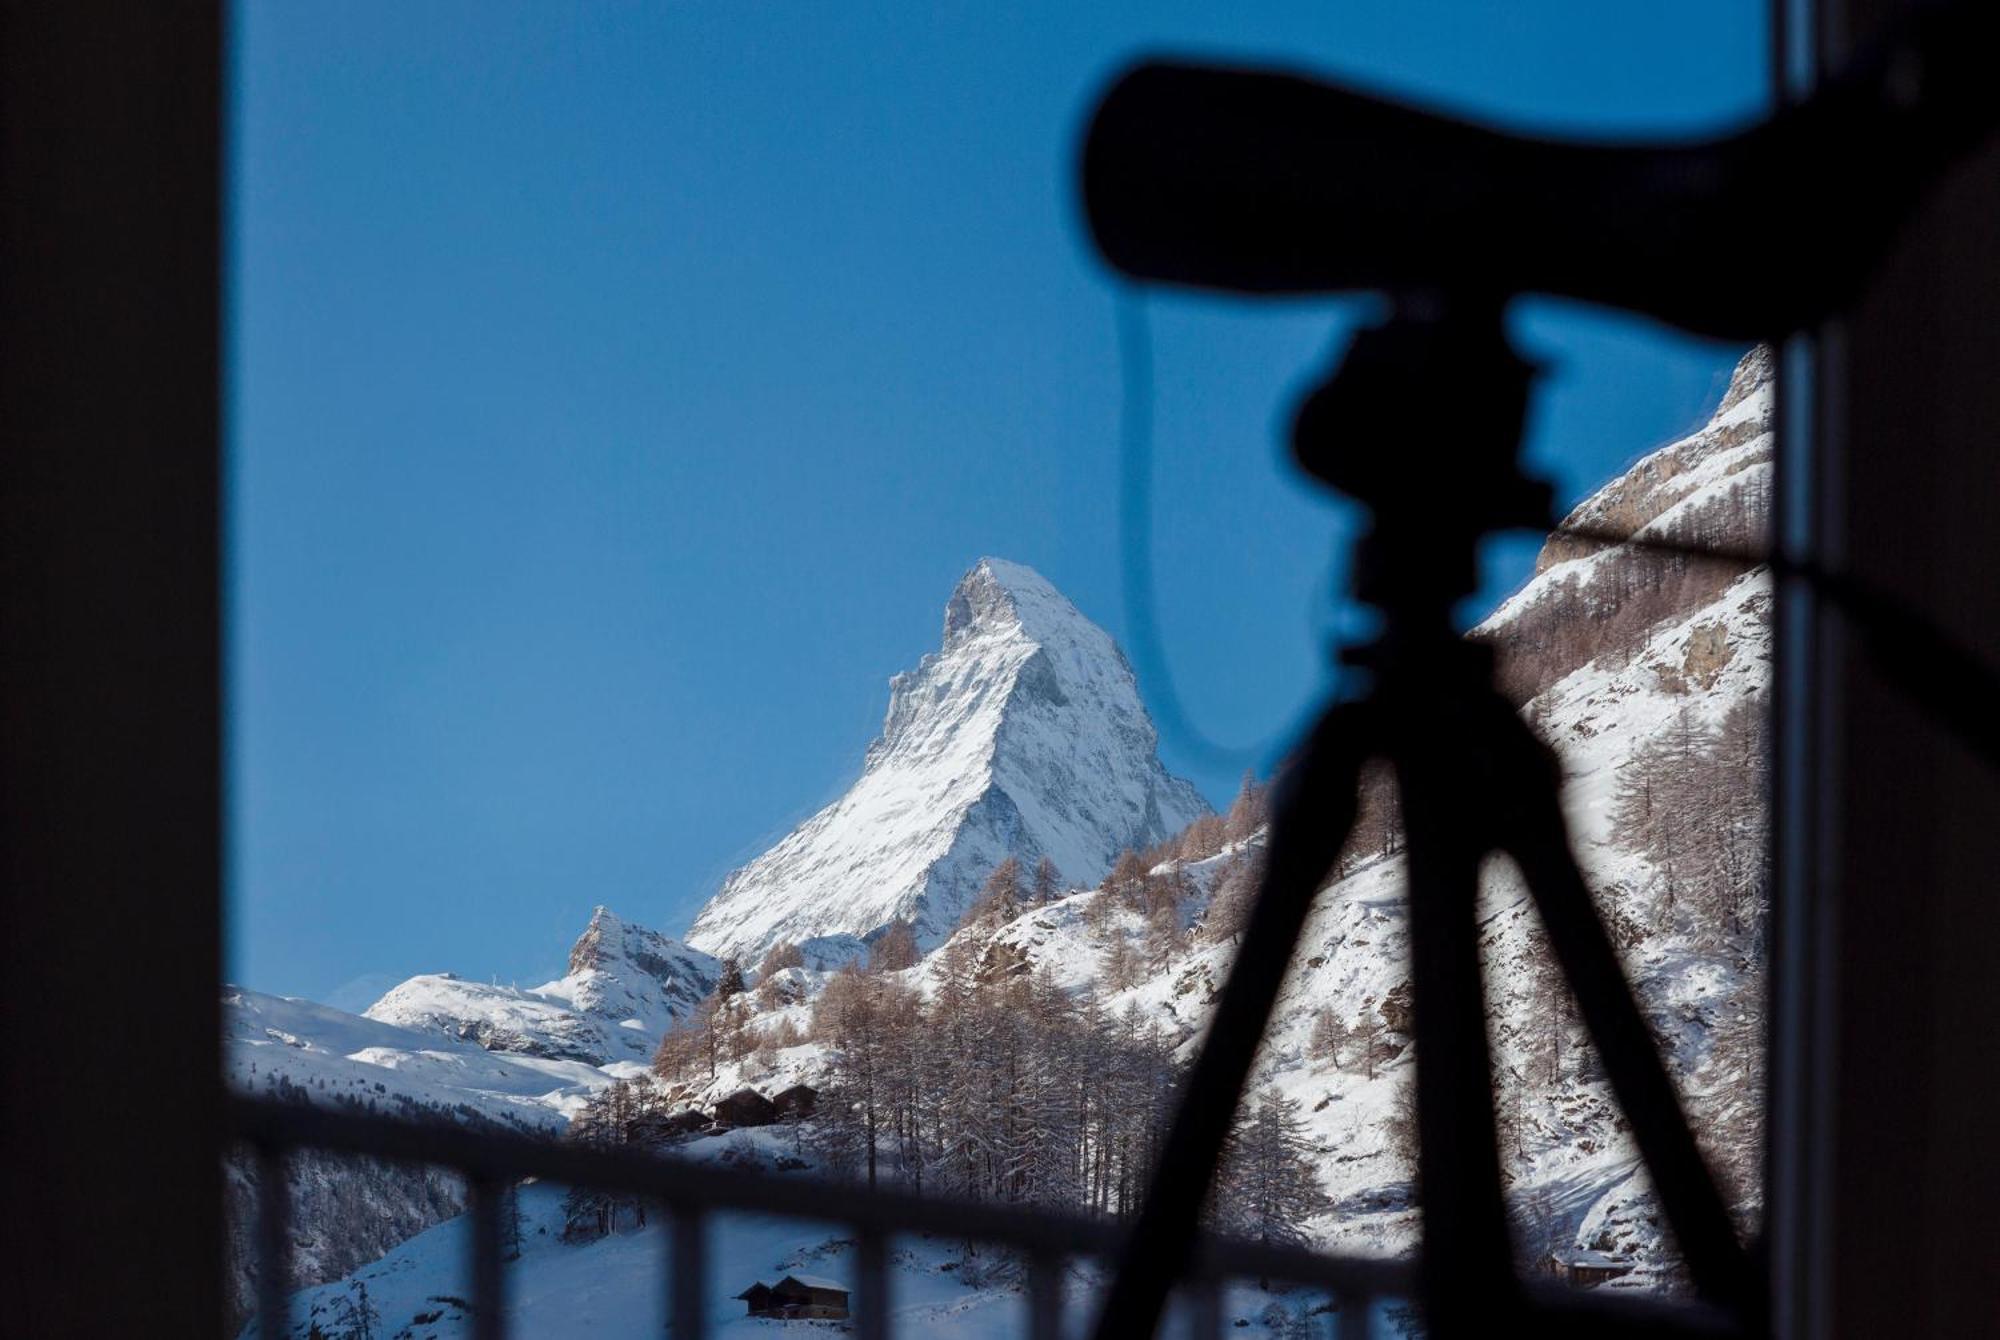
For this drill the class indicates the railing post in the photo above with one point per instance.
(488, 1293)
(1204, 1307)
(1351, 1317)
(688, 1297)
(274, 1242)
(1044, 1295)
(871, 1312)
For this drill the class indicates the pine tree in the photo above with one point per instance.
(1048, 881)
(611, 1119)
(1201, 839)
(1163, 935)
(1123, 965)
(1551, 1015)
(895, 949)
(358, 1315)
(1328, 1038)
(1235, 895)
(1369, 1036)
(780, 956)
(692, 1047)
(729, 981)
(1127, 878)
(707, 1031)
(999, 901)
(1735, 1114)
(1249, 811)
(1269, 1189)
(1405, 1139)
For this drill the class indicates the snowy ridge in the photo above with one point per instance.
(1023, 735)
(625, 987)
(1733, 449)
(283, 1047)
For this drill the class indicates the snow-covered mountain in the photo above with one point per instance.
(1613, 651)
(284, 1048)
(1022, 735)
(625, 987)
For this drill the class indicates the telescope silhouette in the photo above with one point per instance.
(1271, 183)
(1267, 182)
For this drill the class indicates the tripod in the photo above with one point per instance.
(1473, 781)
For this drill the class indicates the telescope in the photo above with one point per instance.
(1268, 182)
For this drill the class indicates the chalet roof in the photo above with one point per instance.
(1581, 1257)
(816, 1282)
(754, 1287)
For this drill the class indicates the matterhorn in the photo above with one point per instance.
(1023, 735)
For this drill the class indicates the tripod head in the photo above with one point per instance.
(1418, 558)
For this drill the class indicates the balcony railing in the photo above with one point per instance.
(491, 1161)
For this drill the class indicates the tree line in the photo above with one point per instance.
(1694, 800)
(1000, 1086)
(1606, 611)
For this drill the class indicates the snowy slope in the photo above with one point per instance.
(347, 1212)
(625, 987)
(279, 1046)
(1022, 735)
(1575, 1167)
(612, 1287)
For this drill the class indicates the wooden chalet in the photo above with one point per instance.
(745, 1107)
(1586, 1268)
(797, 1101)
(798, 1297)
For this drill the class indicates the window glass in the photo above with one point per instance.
(745, 640)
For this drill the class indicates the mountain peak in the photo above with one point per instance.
(997, 596)
(625, 987)
(1023, 735)
(1754, 371)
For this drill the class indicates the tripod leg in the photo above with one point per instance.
(1311, 817)
(1534, 834)
(1467, 1265)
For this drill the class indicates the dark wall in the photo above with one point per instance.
(1910, 824)
(109, 722)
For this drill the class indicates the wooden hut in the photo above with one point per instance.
(758, 1296)
(798, 1297)
(797, 1101)
(1587, 1269)
(745, 1107)
(660, 1129)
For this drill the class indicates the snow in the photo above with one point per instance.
(1023, 735)
(279, 1045)
(615, 1286)
(626, 987)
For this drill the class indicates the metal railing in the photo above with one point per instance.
(690, 1193)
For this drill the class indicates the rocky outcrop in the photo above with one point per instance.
(1594, 601)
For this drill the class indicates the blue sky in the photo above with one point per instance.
(616, 392)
